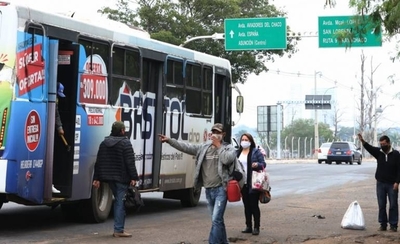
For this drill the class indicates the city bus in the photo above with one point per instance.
(110, 72)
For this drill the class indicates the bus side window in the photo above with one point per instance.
(193, 88)
(126, 70)
(175, 80)
(207, 91)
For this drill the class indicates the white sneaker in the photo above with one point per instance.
(54, 190)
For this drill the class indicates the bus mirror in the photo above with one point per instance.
(239, 104)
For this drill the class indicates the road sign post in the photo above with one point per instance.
(330, 26)
(255, 34)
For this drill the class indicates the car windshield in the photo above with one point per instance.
(326, 145)
(340, 145)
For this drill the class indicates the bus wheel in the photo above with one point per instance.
(97, 208)
(190, 197)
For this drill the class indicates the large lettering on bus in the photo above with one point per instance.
(137, 112)
(30, 67)
(93, 84)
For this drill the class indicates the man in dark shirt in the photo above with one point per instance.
(387, 177)
(115, 164)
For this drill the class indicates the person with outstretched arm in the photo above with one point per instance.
(212, 161)
(387, 177)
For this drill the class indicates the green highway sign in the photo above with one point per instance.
(330, 26)
(255, 34)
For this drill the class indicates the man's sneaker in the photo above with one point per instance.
(382, 228)
(54, 190)
(393, 228)
(122, 234)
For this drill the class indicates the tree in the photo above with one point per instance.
(377, 16)
(345, 134)
(368, 95)
(336, 118)
(173, 21)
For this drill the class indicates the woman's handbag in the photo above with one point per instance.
(260, 180)
(265, 197)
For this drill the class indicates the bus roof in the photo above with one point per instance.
(111, 30)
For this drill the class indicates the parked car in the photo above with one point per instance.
(323, 152)
(344, 152)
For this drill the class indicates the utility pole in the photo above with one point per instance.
(316, 133)
(278, 128)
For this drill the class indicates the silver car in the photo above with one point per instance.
(323, 152)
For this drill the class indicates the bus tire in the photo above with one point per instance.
(98, 207)
(190, 197)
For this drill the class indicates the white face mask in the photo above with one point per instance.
(245, 144)
(217, 136)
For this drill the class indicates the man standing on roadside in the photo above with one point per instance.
(213, 159)
(115, 165)
(387, 177)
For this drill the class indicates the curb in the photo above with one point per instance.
(305, 161)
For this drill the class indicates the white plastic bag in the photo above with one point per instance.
(260, 180)
(354, 217)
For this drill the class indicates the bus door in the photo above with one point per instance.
(223, 101)
(67, 75)
(28, 118)
(152, 117)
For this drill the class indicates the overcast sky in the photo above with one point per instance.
(292, 78)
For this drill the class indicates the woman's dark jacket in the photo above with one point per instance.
(254, 155)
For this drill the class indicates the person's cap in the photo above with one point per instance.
(117, 126)
(218, 127)
(60, 90)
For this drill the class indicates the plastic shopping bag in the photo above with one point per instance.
(260, 181)
(354, 217)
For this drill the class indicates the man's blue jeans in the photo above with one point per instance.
(383, 192)
(119, 190)
(217, 200)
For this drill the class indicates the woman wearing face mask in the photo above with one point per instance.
(252, 159)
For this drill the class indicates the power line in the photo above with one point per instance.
(333, 81)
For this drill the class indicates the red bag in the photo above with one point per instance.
(233, 191)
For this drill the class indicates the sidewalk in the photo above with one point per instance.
(290, 219)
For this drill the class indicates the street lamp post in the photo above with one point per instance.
(278, 128)
(316, 136)
(215, 36)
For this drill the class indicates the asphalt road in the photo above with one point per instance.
(165, 221)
